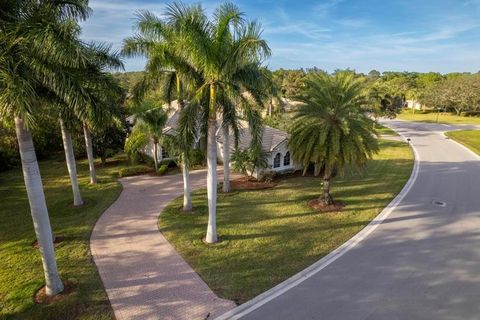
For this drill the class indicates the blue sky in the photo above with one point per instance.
(397, 35)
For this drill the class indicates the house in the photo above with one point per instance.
(414, 104)
(274, 143)
(173, 115)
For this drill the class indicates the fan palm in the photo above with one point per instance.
(332, 130)
(227, 51)
(38, 50)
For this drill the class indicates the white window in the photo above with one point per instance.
(276, 160)
(286, 159)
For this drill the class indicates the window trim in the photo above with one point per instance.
(279, 154)
(285, 158)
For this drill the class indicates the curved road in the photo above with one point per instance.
(422, 262)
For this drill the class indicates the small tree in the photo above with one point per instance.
(247, 161)
(148, 127)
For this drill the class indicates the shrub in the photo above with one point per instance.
(133, 171)
(269, 176)
(246, 161)
(198, 158)
(169, 163)
(162, 170)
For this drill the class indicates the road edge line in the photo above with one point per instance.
(475, 155)
(308, 272)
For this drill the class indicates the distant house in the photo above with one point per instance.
(414, 104)
(274, 143)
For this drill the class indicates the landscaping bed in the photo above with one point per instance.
(269, 235)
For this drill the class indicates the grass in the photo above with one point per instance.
(385, 131)
(469, 138)
(269, 235)
(21, 273)
(431, 117)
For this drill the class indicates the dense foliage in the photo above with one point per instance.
(331, 130)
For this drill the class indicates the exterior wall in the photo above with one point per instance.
(411, 104)
(148, 150)
(282, 149)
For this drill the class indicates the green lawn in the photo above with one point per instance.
(431, 117)
(469, 138)
(269, 235)
(385, 131)
(20, 265)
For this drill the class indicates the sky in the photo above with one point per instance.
(386, 35)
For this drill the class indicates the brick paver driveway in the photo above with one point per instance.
(143, 275)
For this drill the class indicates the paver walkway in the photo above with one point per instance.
(145, 278)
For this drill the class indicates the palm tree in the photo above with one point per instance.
(106, 95)
(96, 84)
(227, 51)
(156, 39)
(37, 54)
(332, 130)
(71, 165)
(149, 127)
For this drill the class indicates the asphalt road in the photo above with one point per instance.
(422, 262)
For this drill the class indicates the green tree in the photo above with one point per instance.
(166, 68)
(148, 127)
(332, 130)
(38, 57)
(227, 51)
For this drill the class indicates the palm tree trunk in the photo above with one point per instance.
(72, 168)
(327, 197)
(155, 156)
(212, 182)
(38, 208)
(226, 160)
(91, 160)
(187, 200)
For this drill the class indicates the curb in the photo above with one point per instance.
(303, 275)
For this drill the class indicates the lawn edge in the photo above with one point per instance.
(316, 267)
(453, 139)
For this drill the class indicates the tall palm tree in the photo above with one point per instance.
(228, 52)
(156, 39)
(70, 160)
(37, 53)
(106, 92)
(332, 130)
(95, 83)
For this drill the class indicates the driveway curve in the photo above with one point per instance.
(421, 262)
(143, 275)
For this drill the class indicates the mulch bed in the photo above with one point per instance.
(56, 240)
(41, 297)
(247, 184)
(318, 205)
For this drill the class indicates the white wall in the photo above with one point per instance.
(414, 104)
(148, 150)
(282, 149)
